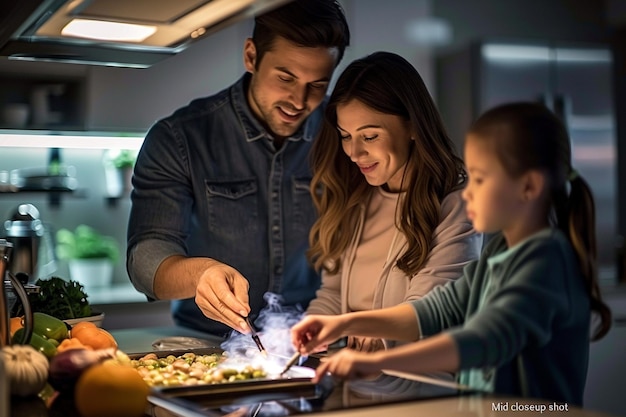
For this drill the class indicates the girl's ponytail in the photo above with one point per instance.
(579, 224)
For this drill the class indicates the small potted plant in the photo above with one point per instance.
(124, 161)
(90, 255)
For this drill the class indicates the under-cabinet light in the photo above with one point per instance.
(70, 141)
(515, 52)
(502, 52)
(108, 31)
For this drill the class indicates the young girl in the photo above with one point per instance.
(518, 322)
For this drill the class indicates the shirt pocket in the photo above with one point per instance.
(233, 207)
(304, 213)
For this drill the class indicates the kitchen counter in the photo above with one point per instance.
(465, 406)
(364, 398)
(141, 339)
(386, 394)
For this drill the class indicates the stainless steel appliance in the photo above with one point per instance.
(11, 284)
(11, 287)
(33, 249)
(575, 81)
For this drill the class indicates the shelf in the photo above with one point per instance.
(76, 193)
(115, 294)
(54, 196)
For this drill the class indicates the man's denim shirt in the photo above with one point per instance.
(209, 182)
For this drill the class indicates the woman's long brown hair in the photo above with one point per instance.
(529, 136)
(389, 84)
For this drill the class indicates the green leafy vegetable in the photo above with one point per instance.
(61, 299)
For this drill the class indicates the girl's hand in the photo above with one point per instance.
(349, 364)
(314, 333)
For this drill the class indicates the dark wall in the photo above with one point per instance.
(579, 21)
(619, 51)
(553, 20)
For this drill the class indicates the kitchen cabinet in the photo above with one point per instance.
(575, 81)
(42, 101)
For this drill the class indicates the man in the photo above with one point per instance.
(221, 208)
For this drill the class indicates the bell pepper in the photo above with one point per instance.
(49, 327)
(38, 342)
(72, 343)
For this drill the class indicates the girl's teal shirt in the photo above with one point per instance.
(520, 317)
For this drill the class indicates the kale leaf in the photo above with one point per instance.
(61, 299)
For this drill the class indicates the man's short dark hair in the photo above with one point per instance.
(308, 23)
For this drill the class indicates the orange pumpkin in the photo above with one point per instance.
(96, 338)
(78, 327)
(72, 343)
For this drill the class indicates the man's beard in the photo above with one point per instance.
(270, 118)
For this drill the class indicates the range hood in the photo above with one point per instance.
(122, 33)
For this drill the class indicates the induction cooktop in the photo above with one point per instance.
(286, 399)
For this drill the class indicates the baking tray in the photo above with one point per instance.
(296, 383)
(162, 353)
(242, 392)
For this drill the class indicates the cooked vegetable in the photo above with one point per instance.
(191, 369)
(67, 366)
(26, 368)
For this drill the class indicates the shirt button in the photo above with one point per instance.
(278, 270)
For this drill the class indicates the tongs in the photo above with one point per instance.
(291, 362)
(338, 344)
(255, 337)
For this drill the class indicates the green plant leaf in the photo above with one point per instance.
(86, 243)
(125, 159)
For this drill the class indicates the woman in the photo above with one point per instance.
(387, 186)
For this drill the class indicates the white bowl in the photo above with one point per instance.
(96, 318)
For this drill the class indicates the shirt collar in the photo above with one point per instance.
(503, 256)
(254, 130)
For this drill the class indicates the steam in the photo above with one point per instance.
(274, 328)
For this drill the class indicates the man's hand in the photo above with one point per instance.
(222, 295)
